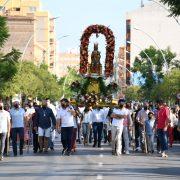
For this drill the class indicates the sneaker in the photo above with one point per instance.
(94, 145)
(46, 151)
(127, 153)
(138, 149)
(21, 152)
(68, 153)
(64, 151)
(164, 155)
(1, 158)
(52, 149)
(40, 151)
(113, 153)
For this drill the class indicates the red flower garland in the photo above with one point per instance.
(110, 48)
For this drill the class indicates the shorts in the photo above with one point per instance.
(44, 132)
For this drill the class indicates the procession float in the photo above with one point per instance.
(95, 89)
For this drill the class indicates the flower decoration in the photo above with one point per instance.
(112, 87)
(110, 48)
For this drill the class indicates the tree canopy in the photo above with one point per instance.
(153, 74)
(174, 6)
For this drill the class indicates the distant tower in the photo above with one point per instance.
(142, 3)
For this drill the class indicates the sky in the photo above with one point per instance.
(76, 15)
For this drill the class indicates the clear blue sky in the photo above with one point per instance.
(76, 15)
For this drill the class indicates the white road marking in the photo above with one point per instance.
(99, 177)
(102, 149)
(100, 164)
(101, 155)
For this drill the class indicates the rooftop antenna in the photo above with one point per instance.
(142, 3)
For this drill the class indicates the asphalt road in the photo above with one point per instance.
(90, 163)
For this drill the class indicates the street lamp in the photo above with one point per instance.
(129, 42)
(166, 64)
(128, 71)
(3, 6)
(166, 10)
(27, 44)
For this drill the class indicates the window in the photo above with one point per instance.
(16, 9)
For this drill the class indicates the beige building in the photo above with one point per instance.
(150, 25)
(66, 60)
(31, 31)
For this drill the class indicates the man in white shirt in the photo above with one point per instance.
(4, 128)
(17, 123)
(65, 116)
(97, 123)
(118, 115)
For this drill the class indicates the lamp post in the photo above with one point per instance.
(127, 70)
(129, 42)
(166, 64)
(3, 6)
(66, 79)
(27, 44)
(166, 10)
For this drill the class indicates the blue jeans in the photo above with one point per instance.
(162, 135)
(15, 132)
(86, 131)
(2, 143)
(97, 131)
(150, 142)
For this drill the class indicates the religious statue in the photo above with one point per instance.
(95, 67)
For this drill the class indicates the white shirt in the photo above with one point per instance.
(17, 117)
(51, 106)
(119, 122)
(67, 119)
(174, 119)
(30, 111)
(87, 117)
(4, 121)
(97, 115)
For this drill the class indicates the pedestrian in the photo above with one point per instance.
(35, 128)
(53, 131)
(150, 131)
(4, 128)
(86, 124)
(137, 108)
(127, 127)
(162, 125)
(65, 116)
(75, 128)
(45, 117)
(97, 124)
(18, 117)
(172, 124)
(118, 115)
(142, 116)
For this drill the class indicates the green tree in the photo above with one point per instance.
(152, 75)
(133, 93)
(3, 31)
(169, 88)
(33, 81)
(67, 80)
(8, 62)
(174, 6)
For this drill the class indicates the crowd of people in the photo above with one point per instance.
(140, 125)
